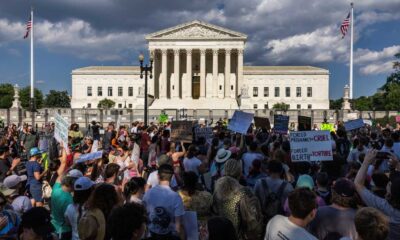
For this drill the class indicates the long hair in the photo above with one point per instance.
(104, 197)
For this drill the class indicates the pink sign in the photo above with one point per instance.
(398, 119)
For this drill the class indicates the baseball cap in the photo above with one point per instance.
(34, 151)
(75, 173)
(344, 187)
(83, 183)
(13, 180)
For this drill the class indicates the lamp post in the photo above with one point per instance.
(145, 69)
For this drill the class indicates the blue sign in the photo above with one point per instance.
(89, 156)
(240, 122)
(354, 124)
(281, 124)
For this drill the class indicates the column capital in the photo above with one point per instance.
(164, 51)
(203, 51)
(177, 51)
(228, 50)
(188, 51)
(240, 51)
(215, 51)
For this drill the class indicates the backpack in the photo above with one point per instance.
(251, 219)
(273, 202)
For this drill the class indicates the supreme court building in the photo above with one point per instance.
(200, 66)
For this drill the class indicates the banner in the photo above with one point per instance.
(182, 131)
(311, 146)
(304, 123)
(262, 122)
(354, 124)
(61, 129)
(163, 118)
(205, 132)
(281, 124)
(240, 122)
(90, 156)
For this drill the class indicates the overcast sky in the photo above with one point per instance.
(77, 33)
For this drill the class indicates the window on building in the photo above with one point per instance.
(309, 91)
(276, 91)
(130, 91)
(119, 105)
(89, 91)
(231, 87)
(120, 91)
(99, 91)
(298, 91)
(266, 91)
(266, 106)
(109, 92)
(309, 106)
(255, 106)
(89, 105)
(255, 91)
(287, 90)
(220, 87)
(298, 106)
(130, 105)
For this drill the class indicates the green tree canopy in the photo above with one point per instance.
(6, 95)
(57, 99)
(24, 95)
(336, 104)
(362, 103)
(106, 103)
(281, 106)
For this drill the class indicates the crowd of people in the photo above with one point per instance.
(137, 182)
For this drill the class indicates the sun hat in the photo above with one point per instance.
(305, 181)
(13, 180)
(75, 173)
(34, 151)
(83, 183)
(222, 155)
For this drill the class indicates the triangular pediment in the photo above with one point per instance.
(196, 30)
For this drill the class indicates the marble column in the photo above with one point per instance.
(188, 84)
(215, 73)
(227, 73)
(163, 78)
(239, 72)
(175, 90)
(202, 73)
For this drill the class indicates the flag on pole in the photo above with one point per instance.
(345, 25)
(28, 27)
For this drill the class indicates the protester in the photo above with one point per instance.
(19, 202)
(371, 224)
(134, 190)
(35, 174)
(36, 224)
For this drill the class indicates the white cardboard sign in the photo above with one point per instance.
(309, 146)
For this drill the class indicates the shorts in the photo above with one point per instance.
(36, 192)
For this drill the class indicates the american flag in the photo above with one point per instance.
(345, 25)
(28, 27)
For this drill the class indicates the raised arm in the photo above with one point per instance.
(63, 165)
(362, 172)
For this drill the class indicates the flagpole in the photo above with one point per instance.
(351, 51)
(32, 99)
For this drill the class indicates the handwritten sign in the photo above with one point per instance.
(205, 132)
(181, 131)
(61, 129)
(354, 124)
(240, 122)
(281, 124)
(311, 146)
(304, 123)
(262, 122)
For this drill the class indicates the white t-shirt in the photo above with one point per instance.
(163, 205)
(281, 228)
(153, 180)
(192, 164)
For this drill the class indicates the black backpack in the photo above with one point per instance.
(273, 202)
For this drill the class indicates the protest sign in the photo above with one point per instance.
(368, 122)
(262, 122)
(163, 118)
(304, 123)
(89, 156)
(181, 131)
(61, 129)
(281, 124)
(311, 146)
(205, 132)
(398, 119)
(327, 127)
(240, 122)
(354, 124)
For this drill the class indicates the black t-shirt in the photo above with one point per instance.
(4, 167)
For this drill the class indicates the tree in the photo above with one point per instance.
(281, 106)
(57, 99)
(393, 97)
(6, 95)
(336, 104)
(395, 76)
(362, 103)
(106, 103)
(24, 96)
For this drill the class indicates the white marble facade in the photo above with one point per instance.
(200, 66)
